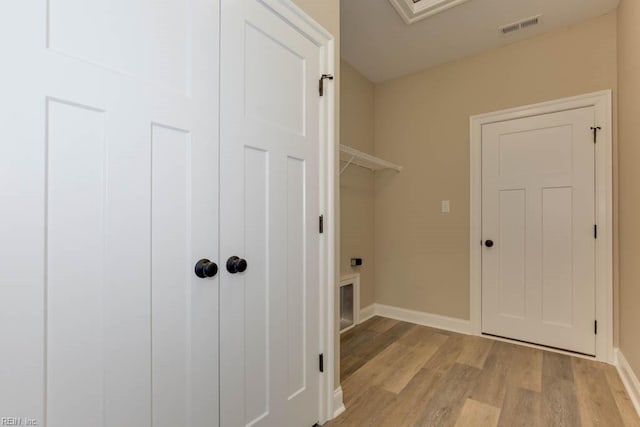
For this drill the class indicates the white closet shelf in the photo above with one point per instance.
(355, 157)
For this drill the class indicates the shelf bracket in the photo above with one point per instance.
(347, 165)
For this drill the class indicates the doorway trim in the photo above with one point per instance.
(602, 103)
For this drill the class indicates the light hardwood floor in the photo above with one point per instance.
(399, 374)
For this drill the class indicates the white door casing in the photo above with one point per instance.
(109, 190)
(600, 105)
(273, 143)
(538, 278)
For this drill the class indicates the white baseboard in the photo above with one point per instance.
(338, 404)
(417, 317)
(426, 319)
(367, 313)
(629, 378)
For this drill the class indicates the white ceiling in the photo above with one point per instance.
(378, 43)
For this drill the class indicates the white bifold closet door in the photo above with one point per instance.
(269, 314)
(538, 216)
(109, 195)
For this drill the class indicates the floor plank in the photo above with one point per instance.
(521, 408)
(349, 364)
(446, 355)
(621, 397)
(478, 414)
(444, 408)
(475, 351)
(382, 324)
(412, 359)
(410, 403)
(418, 334)
(367, 410)
(376, 344)
(526, 368)
(557, 366)
(353, 344)
(491, 385)
(560, 404)
(596, 402)
(399, 374)
(373, 373)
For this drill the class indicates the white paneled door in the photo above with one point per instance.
(109, 197)
(269, 313)
(538, 218)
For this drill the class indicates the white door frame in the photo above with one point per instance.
(297, 18)
(601, 101)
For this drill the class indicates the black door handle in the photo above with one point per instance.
(205, 268)
(488, 243)
(236, 265)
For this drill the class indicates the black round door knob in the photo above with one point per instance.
(205, 268)
(236, 265)
(488, 243)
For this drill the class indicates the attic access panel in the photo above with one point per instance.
(415, 10)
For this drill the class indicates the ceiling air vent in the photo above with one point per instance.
(520, 25)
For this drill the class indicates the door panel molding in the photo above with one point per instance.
(296, 17)
(602, 103)
(107, 323)
(271, 26)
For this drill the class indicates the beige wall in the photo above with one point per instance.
(629, 125)
(422, 123)
(327, 14)
(356, 184)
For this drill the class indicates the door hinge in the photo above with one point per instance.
(595, 231)
(321, 224)
(322, 79)
(595, 327)
(595, 130)
(321, 362)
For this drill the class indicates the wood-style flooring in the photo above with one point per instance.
(399, 374)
